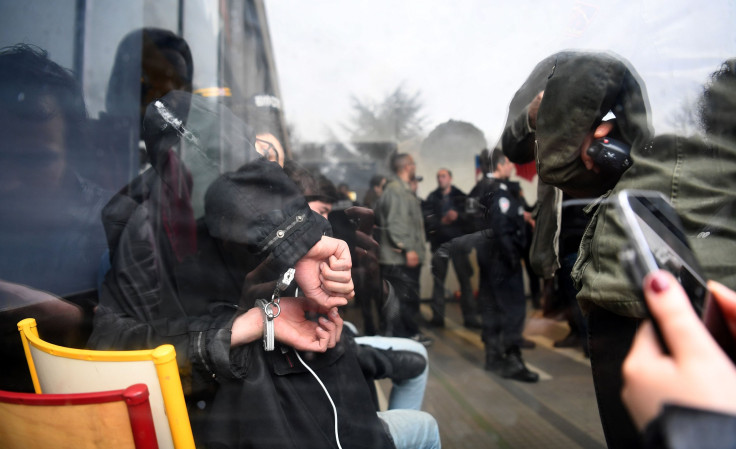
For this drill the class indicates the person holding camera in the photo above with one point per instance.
(581, 90)
(687, 398)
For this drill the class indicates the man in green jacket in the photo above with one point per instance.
(401, 235)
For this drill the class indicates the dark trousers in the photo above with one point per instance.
(405, 282)
(463, 270)
(575, 318)
(502, 302)
(609, 339)
(368, 293)
(534, 280)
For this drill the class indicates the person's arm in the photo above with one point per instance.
(518, 138)
(291, 327)
(697, 373)
(140, 308)
(324, 273)
(260, 208)
(257, 202)
(202, 343)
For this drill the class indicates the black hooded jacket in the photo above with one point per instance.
(179, 282)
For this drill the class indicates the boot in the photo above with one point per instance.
(514, 367)
(387, 363)
(494, 361)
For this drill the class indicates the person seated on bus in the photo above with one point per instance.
(255, 228)
(685, 398)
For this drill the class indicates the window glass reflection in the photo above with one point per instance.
(166, 168)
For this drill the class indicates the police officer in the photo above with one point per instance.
(502, 285)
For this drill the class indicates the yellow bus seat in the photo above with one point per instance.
(57, 369)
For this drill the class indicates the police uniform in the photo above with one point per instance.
(502, 284)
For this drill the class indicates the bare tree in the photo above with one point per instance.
(395, 118)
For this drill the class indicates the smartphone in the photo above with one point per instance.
(657, 241)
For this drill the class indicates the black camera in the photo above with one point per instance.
(610, 155)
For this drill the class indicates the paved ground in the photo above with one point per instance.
(476, 409)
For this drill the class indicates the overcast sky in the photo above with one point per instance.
(468, 57)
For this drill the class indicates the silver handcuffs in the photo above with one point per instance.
(267, 309)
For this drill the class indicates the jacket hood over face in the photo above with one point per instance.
(581, 88)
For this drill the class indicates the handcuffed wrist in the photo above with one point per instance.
(268, 313)
(268, 329)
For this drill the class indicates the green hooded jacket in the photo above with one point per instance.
(697, 175)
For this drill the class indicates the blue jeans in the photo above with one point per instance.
(409, 393)
(412, 429)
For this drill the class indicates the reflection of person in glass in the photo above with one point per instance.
(165, 65)
(51, 237)
(149, 63)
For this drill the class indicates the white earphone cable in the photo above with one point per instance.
(334, 409)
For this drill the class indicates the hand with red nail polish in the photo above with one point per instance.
(696, 374)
